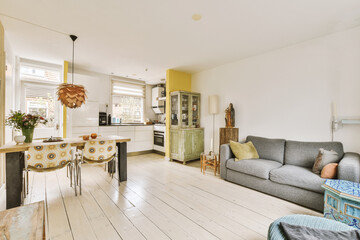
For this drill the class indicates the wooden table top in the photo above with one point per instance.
(25, 222)
(75, 142)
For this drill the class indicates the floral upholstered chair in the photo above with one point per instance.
(97, 152)
(47, 158)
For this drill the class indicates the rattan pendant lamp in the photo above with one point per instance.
(71, 95)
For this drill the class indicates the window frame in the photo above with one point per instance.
(40, 65)
(129, 82)
(25, 82)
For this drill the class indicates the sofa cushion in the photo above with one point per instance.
(329, 171)
(267, 148)
(255, 167)
(304, 153)
(324, 158)
(298, 177)
(243, 150)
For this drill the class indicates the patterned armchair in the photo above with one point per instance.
(47, 158)
(96, 152)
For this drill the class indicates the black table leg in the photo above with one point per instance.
(122, 161)
(14, 178)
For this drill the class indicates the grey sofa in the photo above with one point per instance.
(284, 169)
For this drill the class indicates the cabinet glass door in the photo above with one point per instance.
(195, 112)
(174, 110)
(185, 101)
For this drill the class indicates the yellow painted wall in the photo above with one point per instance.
(175, 81)
(66, 70)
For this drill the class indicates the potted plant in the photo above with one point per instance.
(25, 122)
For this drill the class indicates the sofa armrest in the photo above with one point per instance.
(349, 167)
(225, 154)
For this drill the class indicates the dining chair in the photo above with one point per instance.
(96, 152)
(48, 158)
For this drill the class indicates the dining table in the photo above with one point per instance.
(15, 163)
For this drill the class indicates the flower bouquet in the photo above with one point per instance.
(25, 122)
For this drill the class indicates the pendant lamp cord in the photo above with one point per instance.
(73, 56)
(73, 38)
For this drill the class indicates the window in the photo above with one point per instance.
(128, 101)
(40, 100)
(39, 82)
(31, 73)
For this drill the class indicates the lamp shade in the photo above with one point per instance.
(213, 104)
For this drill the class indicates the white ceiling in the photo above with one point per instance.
(128, 36)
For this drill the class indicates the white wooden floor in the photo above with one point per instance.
(160, 200)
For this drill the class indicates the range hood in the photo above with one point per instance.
(158, 105)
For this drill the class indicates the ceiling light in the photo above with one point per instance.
(71, 95)
(196, 17)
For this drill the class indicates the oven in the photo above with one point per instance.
(159, 138)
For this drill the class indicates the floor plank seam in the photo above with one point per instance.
(63, 200)
(132, 204)
(184, 215)
(118, 209)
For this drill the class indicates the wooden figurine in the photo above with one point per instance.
(230, 116)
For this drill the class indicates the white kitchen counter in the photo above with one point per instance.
(142, 136)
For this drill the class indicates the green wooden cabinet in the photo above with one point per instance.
(186, 143)
(185, 109)
(186, 136)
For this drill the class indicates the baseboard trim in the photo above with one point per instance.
(158, 152)
(132, 154)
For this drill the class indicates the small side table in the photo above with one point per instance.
(211, 160)
(342, 201)
(228, 134)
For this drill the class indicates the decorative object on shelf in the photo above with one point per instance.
(210, 160)
(230, 116)
(25, 122)
(342, 201)
(71, 95)
(213, 109)
(19, 139)
(93, 135)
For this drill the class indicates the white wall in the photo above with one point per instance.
(10, 87)
(149, 113)
(287, 93)
(98, 87)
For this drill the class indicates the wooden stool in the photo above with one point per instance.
(211, 160)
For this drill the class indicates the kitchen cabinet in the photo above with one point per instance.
(79, 131)
(127, 131)
(107, 131)
(142, 137)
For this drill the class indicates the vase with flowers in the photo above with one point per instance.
(25, 122)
